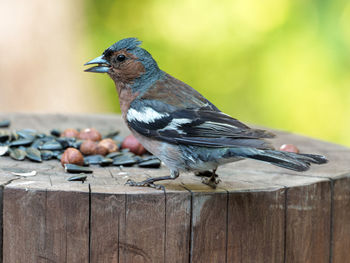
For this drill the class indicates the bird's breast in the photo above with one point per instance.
(126, 96)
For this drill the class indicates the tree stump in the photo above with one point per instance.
(258, 213)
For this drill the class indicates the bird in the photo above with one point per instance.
(180, 126)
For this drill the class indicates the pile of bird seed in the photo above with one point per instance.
(75, 149)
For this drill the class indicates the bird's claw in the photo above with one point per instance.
(145, 184)
(212, 181)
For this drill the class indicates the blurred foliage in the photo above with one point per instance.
(278, 63)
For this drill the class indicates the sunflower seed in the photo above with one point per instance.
(41, 135)
(17, 154)
(22, 142)
(5, 123)
(37, 143)
(55, 132)
(46, 155)
(124, 160)
(34, 154)
(51, 145)
(66, 142)
(4, 137)
(113, 155)
(106, 162)
(93, 159)
(72, 168)
(77, 144)
(14, 136)
(153, 163)
(27, 134)
(77, 178)
(59, 157)
(3, 150)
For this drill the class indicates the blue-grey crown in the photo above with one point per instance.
(126, 43)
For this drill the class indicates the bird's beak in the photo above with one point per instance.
(102, 67)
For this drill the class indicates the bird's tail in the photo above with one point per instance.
(288, 160)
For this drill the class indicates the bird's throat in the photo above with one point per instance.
(126, 96)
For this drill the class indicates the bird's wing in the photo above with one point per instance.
(200, 127)
(176, 93)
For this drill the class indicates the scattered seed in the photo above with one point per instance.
(37, 143)
(124, 160)
(113, 155)
(4, 136)
(94, 159)
(41, 135)
(34, 154)
(22, 142)
(153, 163)
(27, 134)
(33, 131)
(72, 168)
(5, 123)
(52, 146)
(55, 132)
(131, 143)
(90, 134)
(17, 154)
(289, 148)
(66, 141)
(32, 173)
(81, 178)
(14, 136)
(38, 147)
(106, 162)
(46, 155)
(72, 156)
(72, 133)
(3, 150)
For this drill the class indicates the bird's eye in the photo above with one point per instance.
(121, 58)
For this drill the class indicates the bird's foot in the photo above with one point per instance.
(145, 184)
(212, 181)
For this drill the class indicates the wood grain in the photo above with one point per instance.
(341, 219)
(308, 223)
(143, 239)
(178, 218)
(47, 226)
(107, 226)
(208, 227)
(256, 223)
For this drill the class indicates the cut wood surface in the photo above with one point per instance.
(258, 213)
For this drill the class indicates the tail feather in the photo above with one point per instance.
(318, 159)
(288, 160)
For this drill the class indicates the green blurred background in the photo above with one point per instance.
(283, 64)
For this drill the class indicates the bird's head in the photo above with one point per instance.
(127, 63)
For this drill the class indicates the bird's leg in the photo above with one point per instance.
(150, 181)
(213, 179)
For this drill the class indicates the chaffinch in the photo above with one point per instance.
(178, 125)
